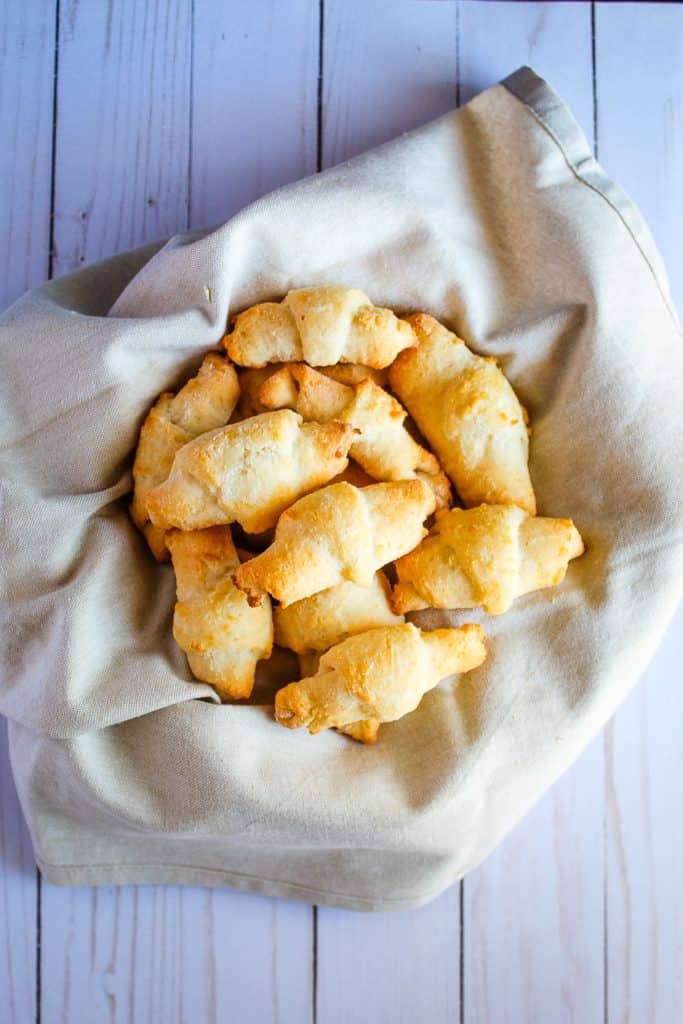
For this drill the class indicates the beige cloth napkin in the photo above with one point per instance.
(496, 219)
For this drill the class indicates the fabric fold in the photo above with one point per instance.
(495, 219)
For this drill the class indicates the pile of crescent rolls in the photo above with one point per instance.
(367, 466)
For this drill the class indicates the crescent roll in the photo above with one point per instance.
(365, 731)
(222, 633)
(467, 410)
(382, 445)
(321, 326)
(204, 403)
(381, 675)
(339, 533)
(249, 472)
(485, 556)
(319, 622)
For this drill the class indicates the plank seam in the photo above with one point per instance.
(594, 71)
(190, 118)
(321, 57)
(39, 910)
(53, 146)
(314, 986)
(462, 952)
(605, 951)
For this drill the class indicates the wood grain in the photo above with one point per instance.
(18, 903)
(533, 922)
(402, 966)
(640, 119)
(171, 955)
(27, 42)
(254, 109)
(387, 68)
(123, 127)
(644, 786)
(640, 140)
(554, 39)
(533, 912)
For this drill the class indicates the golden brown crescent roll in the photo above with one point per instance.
(467, 410)
(204, 403)
(364, 731)
(249, 472)
(381, 675)
(485, 556)
(321, 326)
(222, 633)
(319, 622)
(339, 533)
(382, 446)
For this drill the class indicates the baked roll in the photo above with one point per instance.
(365, 731)
(382, 445)
(339, 533)
(223, 634)
(249, 472)
(381, 674)
(321, 326)
(485, 556)
(319, 622)
(204, 403)
(469, 414)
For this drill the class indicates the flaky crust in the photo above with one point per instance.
(382, 445)
(485, 556)
(322, 326)
(365, 731)
(319, 622)
(204, 403)
(249, 472)
(339, 533)
(467, 410)
(223, 634)
(381, 674)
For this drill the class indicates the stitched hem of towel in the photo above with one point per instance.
(555, 117)
(186, 874)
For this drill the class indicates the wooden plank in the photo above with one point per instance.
(533, 922)
(387, 968)
(123, 171)
(387, 68)
(254, 111)
(554, 39)
(18, 898)
(27, 33)
(640, 120)
(123, 123)
(640, 139)
(533, 928)
(644, 754)
(27, 40)
(171, 955)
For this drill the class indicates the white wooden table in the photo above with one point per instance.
(123, 121)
